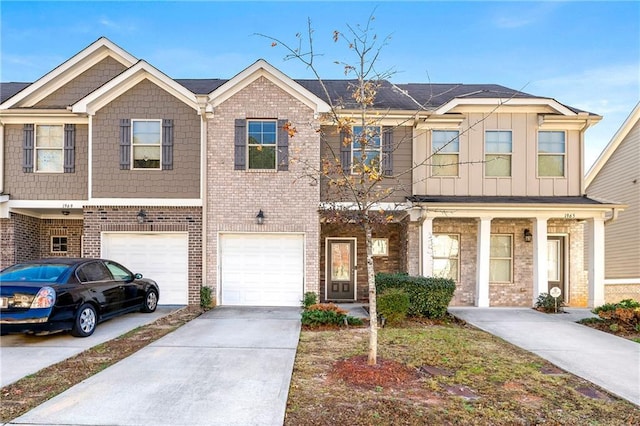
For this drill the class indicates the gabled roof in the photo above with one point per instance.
(142, 70)
(262, 68)
(67, 71)
(611, 147)
(7, 90)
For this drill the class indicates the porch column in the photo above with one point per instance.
(484, 253)
(596, 262)
(426, 238)
(540, 267)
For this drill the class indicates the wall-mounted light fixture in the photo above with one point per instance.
(65, 212)
(141, 216)
(260, 218)
(528, 237)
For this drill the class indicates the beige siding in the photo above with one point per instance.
(619, 181)
(44, 186)
(146, 101)
(524, 180)
(402, 163)
(83, 84)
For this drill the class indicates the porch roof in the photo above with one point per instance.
(496, 200)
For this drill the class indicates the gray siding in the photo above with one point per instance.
(83, 84)
(44, 186)
(619, 181)
(146, 101)
(400, 182)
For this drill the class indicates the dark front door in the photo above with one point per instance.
(341, 270)
(555, 265)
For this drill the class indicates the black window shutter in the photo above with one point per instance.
(69, 148)
(27, 149)
(125, 144)
(387, 151)
(283, 146)
(240, 145)
(345, 153)
(167, 144)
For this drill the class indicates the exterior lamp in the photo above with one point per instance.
(260, 218)
(527, 236)
(141, 217)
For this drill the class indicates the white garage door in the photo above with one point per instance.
(163, 257)
(261, 269)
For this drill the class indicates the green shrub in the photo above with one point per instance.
(547, 303)
(327, 314)
(206, 298)
(428, 296)
(310, 298)
(625, 304)
(626, 311)
(393, 304)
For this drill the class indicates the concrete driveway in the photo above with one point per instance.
(610, 362)
(230, 366)
(21, 354)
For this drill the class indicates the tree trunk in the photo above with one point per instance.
(373, 312)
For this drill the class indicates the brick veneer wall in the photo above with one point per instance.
(288, 200)
(26, 234)
(614, 293)
(72, 229)
(7, 243)
(396, 261)
(159, 219)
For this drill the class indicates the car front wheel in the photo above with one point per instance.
(86, 321)
(150, 301)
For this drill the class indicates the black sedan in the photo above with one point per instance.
(70, 294)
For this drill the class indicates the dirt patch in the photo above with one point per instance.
(617, 328)
(385, 373)
(31, 391)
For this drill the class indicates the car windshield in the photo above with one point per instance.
(41, 273)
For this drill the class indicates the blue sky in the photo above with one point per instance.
(584, 54)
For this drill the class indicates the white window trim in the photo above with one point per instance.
(434, 257)
(59, 251)
(564, 154)
(133, 159)
(367, 149)
(275, 145)
(511, 278)
(501, 154)
(35, 148)
(431, 153)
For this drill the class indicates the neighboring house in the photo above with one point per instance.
(616, 176)
(197, 182)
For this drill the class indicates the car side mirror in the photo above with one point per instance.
(138, 276)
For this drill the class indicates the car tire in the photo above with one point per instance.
(85, 322)
(150, 301)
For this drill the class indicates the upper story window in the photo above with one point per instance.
(146, 139)
(366, 148)
(261, 141)
(49, 147)
(497, 153)
(445, 150)
(446, 256)
(551, 153)
(501, 258)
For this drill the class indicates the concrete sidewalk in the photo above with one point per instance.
(22, 354)
(610, 362)
(230, 366)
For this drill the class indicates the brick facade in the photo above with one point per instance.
(159, 219)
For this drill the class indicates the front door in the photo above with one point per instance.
(341, 270)
(555, 264)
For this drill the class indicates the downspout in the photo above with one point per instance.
(587, 124)
(1, 158)
(614, 216)
(202, 104)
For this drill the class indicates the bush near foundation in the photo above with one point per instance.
(428, 296)
(393, 304)
(626, 312)
(321, 314)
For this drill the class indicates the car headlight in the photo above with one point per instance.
(45, 298)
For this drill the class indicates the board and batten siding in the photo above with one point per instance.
(471, 180)
(402, 141)
(619, 181)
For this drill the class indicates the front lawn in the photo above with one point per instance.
(438, 373)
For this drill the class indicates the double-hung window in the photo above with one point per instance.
(446, 255)
(551, 153)
(261, 142)
(445, 152)
(146, 143)
(497, 153)
(49, 147)
(501, 259)
(366, 147)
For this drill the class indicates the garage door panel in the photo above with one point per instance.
(163, 257)
(262, 269)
